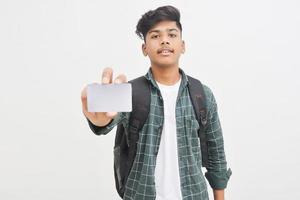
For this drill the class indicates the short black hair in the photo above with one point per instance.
(152, 17)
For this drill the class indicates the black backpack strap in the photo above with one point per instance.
(141, 96)
(197, 96)
(126, 139)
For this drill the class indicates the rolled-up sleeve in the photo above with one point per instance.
(217, 173)
(106, 129)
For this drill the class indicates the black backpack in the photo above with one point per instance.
(126, 140)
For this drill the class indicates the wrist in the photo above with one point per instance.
(219, 194)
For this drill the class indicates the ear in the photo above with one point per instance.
(144, 49)
(183, 47)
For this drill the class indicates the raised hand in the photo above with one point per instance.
(101, 118)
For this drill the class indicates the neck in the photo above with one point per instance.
(165, 75)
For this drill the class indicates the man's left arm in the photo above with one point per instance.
(219, 194)
(217, 173)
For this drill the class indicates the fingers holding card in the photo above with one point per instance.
(101, 102)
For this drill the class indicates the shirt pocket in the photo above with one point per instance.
(192, 138)
(191, 131)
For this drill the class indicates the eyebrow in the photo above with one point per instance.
(168, 30)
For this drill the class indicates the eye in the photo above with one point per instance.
(172, 35)
(154, 36)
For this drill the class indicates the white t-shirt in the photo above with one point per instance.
(167, 179)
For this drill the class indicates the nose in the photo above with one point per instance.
(165, 41)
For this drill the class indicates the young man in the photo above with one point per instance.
(167, 165)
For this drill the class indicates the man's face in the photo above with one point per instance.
(163, 44)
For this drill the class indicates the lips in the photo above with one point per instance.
(165, 51)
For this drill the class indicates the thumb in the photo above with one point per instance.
(121, 79)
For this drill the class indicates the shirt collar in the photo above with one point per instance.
(184, 79)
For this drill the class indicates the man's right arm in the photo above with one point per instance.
(103, 130)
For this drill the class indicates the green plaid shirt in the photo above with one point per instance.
(141, 182)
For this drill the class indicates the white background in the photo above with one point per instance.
(247, 52)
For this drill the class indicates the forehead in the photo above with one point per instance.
(164, 26)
